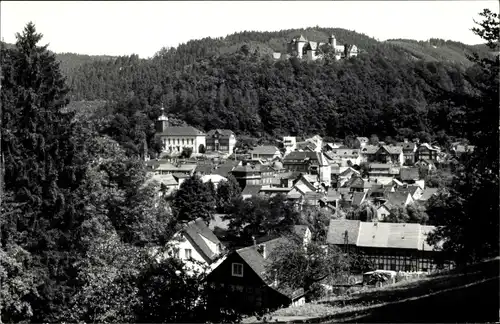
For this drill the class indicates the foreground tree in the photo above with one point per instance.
(227, 192)
(194, 199)
(297, 266)
(469, 212)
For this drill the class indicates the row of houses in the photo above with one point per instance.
(238, 278)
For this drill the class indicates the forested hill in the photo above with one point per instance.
(397, 88)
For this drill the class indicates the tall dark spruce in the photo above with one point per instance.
(39, 176)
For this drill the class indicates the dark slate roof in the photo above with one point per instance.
(409, 174)
(337, 229)
(265, 149)
(225, 169)
(252, 190)
(181, 131)
(357, 198)
(396, 198)
(247, 168)
(225, 132)
(204, 168)
(410, 189)
(193, 230)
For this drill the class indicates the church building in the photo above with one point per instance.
(176, 138)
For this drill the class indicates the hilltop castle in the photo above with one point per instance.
(303, 48)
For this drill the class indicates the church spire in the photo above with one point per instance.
(162, 117)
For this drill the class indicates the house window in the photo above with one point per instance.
(237, 270)
(187, 253)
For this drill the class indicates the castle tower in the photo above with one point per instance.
(162, 122)
(332, 41)
(301, 42)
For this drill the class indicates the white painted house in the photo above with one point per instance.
(196, 243)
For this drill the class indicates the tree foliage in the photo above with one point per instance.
(297, 266)
(469, 211)
(194, 199)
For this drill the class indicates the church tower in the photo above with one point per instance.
(162, 122)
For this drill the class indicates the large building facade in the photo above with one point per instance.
(175, 138)
(221, 140)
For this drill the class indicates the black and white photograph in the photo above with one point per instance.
(249, 161)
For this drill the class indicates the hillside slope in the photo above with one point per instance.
(466, 295)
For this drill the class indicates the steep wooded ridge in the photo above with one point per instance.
(393, 88)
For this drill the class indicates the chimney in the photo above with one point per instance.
(262, 250)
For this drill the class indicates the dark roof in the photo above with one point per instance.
(337, 229)
(357, 198)
(204, 168)
(225, 169)
(409, 174)
(396, 198)
(265, 149)
(181, 131)
(251, 190)
(369, 149)
(194, 230)
(410, 189)
(225, 132)
(393, 149)
(258, 263)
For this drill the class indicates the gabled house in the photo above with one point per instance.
(317, 141)
(309, 162)
(340, 175)
(367, 152)
(247, 174)
(414, 191)
(265, 152)
(390, 246)
(359, 184)
(220, 140)
(169, 168)
(387, 154)
(409, 150)
(289, 143)
(241, 282)
(344, 157)
(382, 173)
(428, 152)
(168, 184)
(196, 243)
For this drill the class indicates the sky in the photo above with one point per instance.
(144, 27)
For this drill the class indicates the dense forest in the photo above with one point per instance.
(393, 89)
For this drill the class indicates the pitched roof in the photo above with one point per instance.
(357, 198)
(181, 131)
(410, 189)
(302, 156)
(166, 179)
(249, 167)
(344, 153)
(389, 235)
(225, 169)
(349, 170)
(252, 190)
(362, 139)
(409, 174)
(380, 166)
(225, 132)
(392, 149)
(194, 230)
(378, 234)
(369, 149)
(265, 149)
(337, 229)
(396, 198)
(428, 193)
